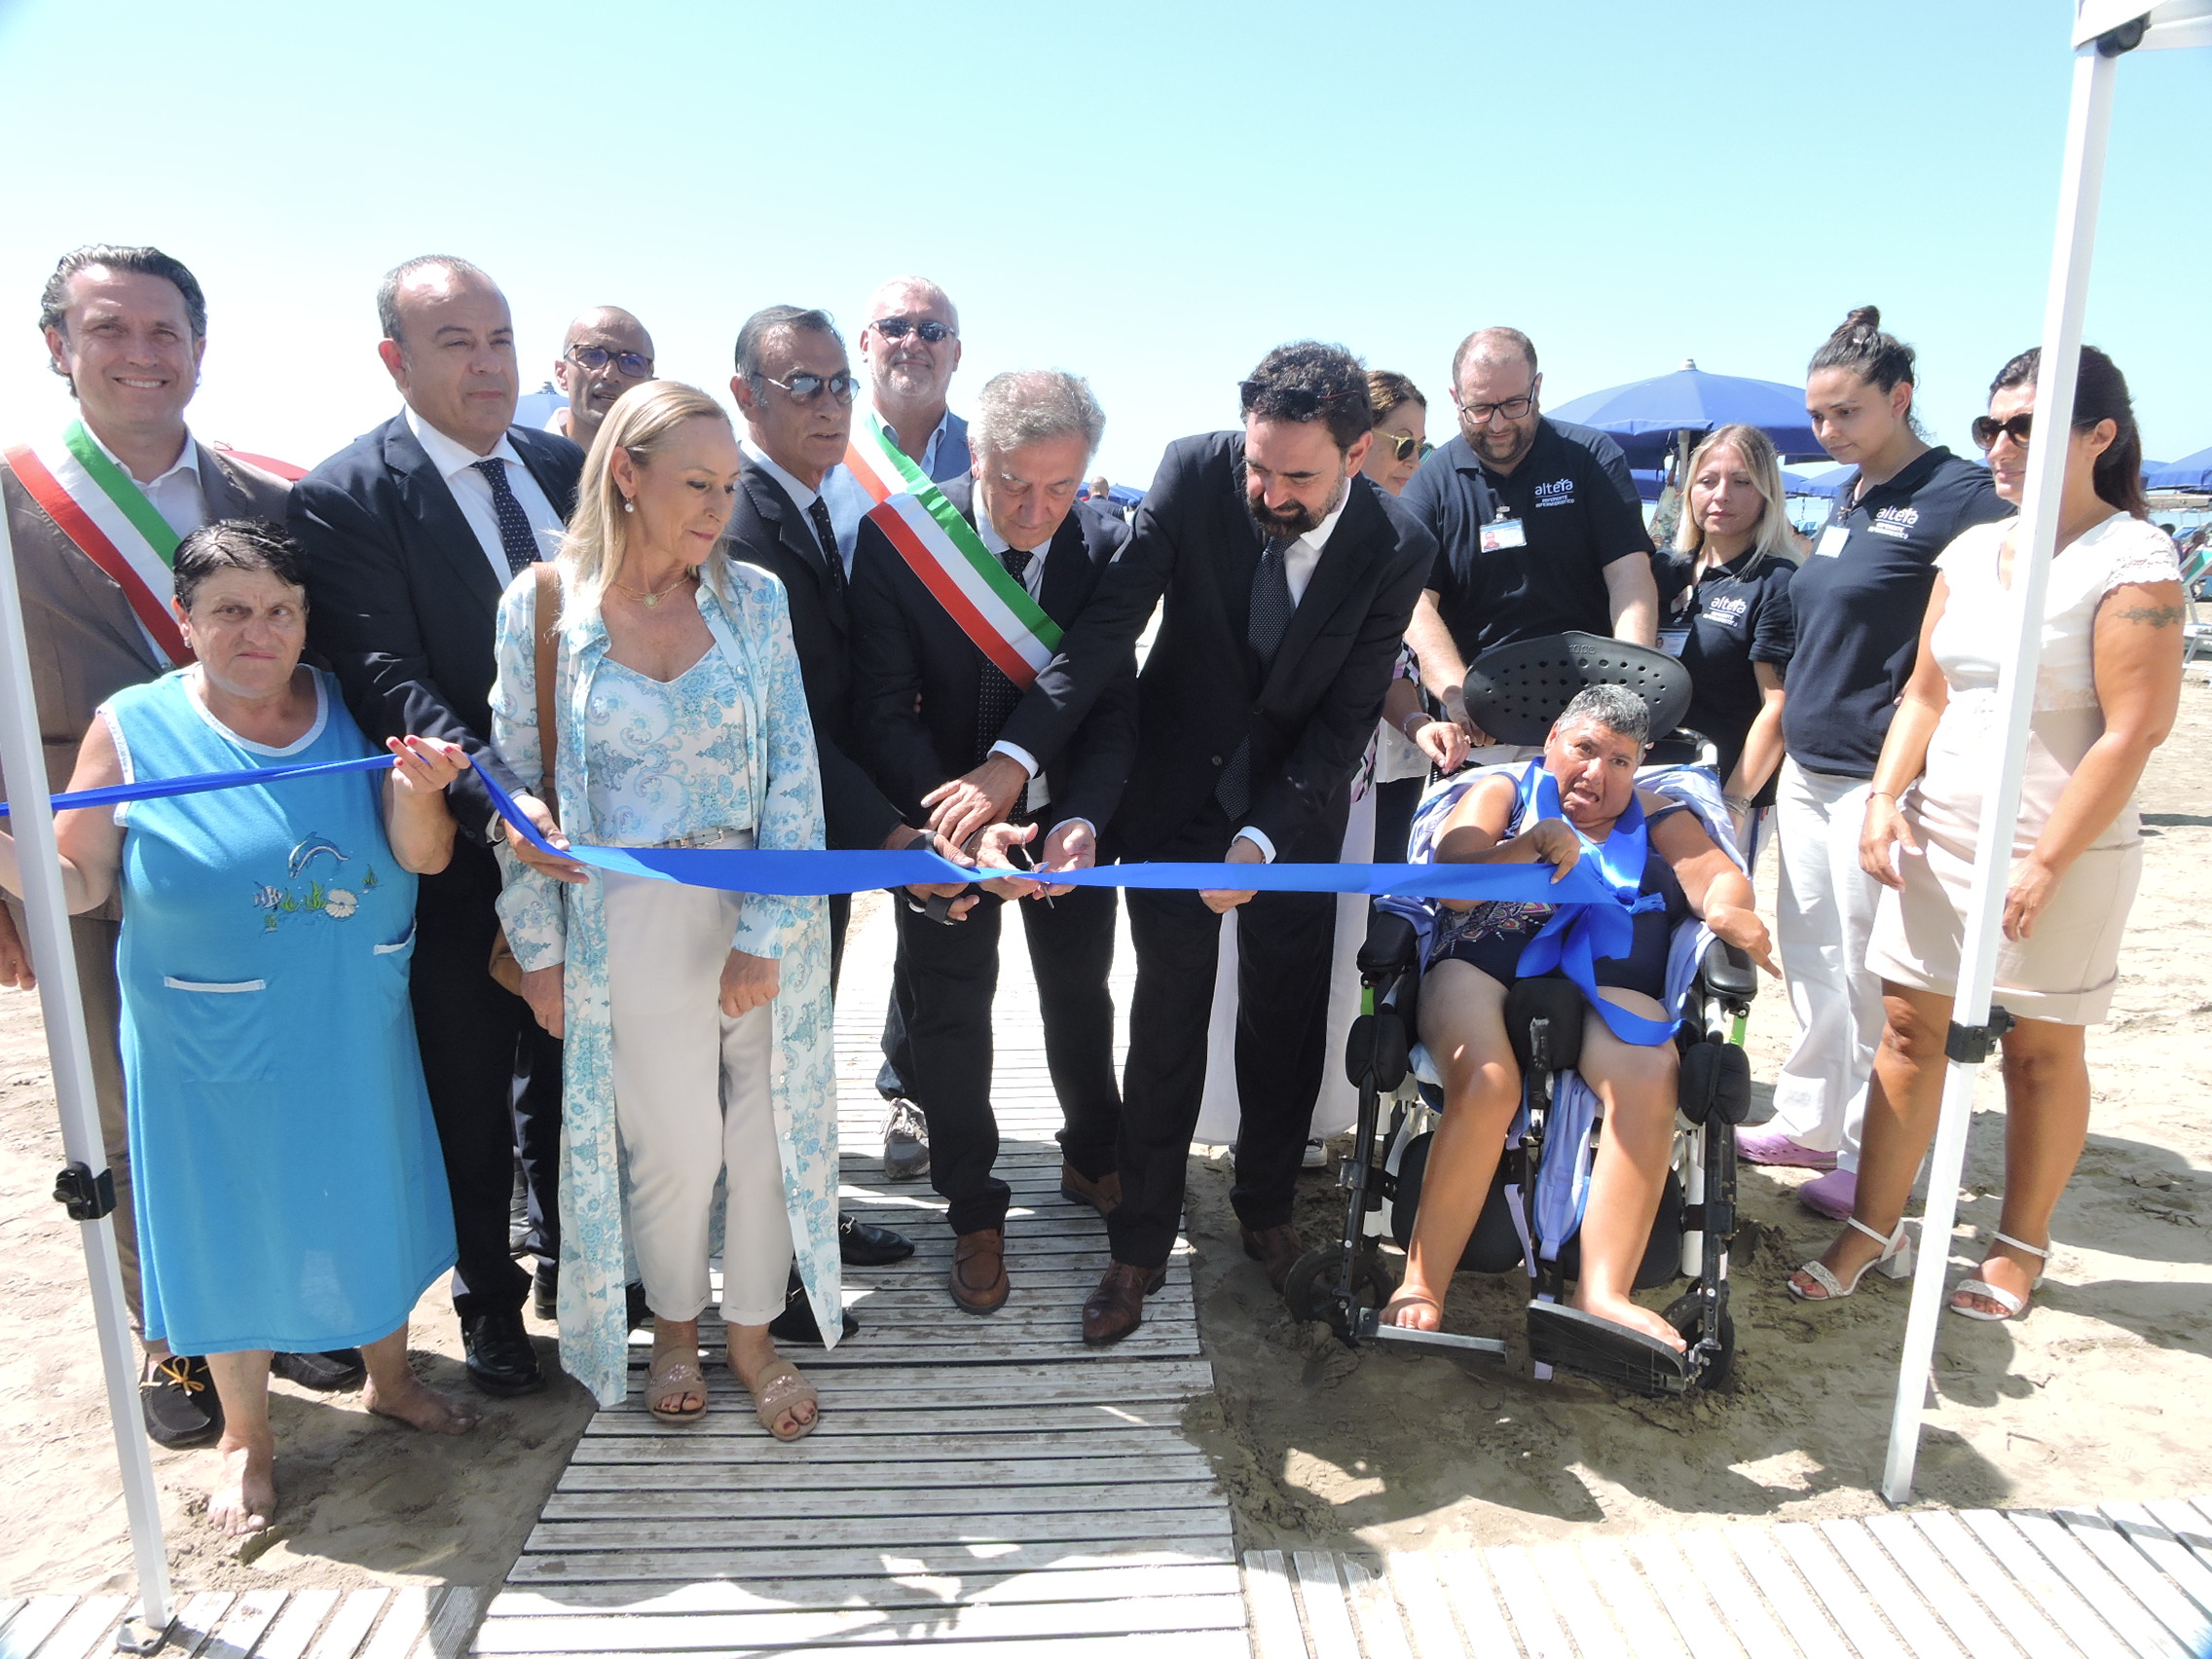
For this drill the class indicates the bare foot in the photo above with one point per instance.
(417, 1405)
(1413, 1308)
(243, 1499)
(1851, 1252)
(1620, 1310)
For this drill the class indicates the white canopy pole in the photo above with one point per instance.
(2080, 183)
(31, 821)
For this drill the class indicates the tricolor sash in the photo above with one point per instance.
(100, 509)
(942, 548)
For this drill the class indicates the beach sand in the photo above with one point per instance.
(2093, 1396)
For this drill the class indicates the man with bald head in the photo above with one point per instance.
(412, 533)
(604, 355)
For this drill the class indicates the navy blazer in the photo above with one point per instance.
(1201, 694)
(767, 530)
(401, 599)
(907, 647)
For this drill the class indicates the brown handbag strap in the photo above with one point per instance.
(546, 621)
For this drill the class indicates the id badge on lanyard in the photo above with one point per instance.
(1502, 533)
(1831, 541)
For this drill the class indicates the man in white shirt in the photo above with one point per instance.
(125, 328)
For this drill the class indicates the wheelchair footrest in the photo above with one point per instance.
(1370, 1329)
(1570, 1339)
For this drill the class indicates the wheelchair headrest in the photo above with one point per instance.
(1515, 691)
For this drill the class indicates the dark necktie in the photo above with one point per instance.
(997, 696)
(827, 533)
(515, 537)
(1263, 629)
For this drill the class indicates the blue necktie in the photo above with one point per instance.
(515, 537)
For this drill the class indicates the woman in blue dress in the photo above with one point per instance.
(290, 1193)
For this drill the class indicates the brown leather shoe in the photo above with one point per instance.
(1275, 1249)
(1101, 1195)
(979, 1285)
(1117, 1306)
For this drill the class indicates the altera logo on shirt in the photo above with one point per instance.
(1727, 608)
(1896, 521)
(1559, 493)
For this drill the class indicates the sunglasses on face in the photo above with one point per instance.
(1405, 446)
(1296, 402)
(1513, 409)
(1987, 431)
(633, 365)
(805, 388)
(897, 328)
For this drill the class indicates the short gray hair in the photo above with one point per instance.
(396, 279)
(1032, 406)
(1616, 708)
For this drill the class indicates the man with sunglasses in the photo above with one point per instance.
(1539, 526)
(1287, 578)
(604, 355)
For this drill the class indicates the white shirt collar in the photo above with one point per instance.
(993, 541)
(187, 460)
(802, 496)
(447, 454)
(1318, 537)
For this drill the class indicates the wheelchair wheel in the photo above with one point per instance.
(1311, 1290)
(1716, 1371)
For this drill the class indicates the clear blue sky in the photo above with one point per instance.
(1151, 195)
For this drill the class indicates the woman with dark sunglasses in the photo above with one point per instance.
(1858, 597)
(2106, 693)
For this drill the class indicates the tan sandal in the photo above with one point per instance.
(675, 1373)
(780, 1390)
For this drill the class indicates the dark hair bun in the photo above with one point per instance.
(1864, 323)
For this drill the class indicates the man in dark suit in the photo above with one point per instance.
(412, 533)
(1288, 579)
(932, 699)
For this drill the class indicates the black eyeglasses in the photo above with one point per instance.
(1987, 431)
(1292, 402)
(805, 388)
(635, 365)
(1513, 409)
(897, 328)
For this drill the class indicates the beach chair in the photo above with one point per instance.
(1533, 1213)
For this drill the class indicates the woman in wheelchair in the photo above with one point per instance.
(1592, 753)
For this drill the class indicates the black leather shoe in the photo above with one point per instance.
(500, 1358)
(326, 1373)
(177, 1399)
(860, 1245)
(795, 1324)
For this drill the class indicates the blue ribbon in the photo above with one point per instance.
(1575, 936)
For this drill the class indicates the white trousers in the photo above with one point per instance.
(691, 1099)
(1824, 915)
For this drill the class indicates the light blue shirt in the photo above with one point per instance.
(945, 456)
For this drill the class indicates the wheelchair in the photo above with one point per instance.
(1516, 694)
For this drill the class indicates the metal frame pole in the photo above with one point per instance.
(54, 958)
(2080, 184)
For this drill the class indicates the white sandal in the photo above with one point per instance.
(1894, 1261)
(2004, 1299)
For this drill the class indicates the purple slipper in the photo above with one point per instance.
(1772, 1146)
(1832, 1194)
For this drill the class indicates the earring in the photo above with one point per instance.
(629, 506)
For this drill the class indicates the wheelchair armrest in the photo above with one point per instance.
(1389, 947)
(1728, 973)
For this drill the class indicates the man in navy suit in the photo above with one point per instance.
(412, 534)
(930, 700)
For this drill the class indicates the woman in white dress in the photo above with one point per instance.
(2108, 684)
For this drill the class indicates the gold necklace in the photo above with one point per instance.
(649, 599)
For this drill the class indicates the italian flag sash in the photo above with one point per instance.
(100, 508)
(993, 610)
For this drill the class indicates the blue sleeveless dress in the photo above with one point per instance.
(290, 1194)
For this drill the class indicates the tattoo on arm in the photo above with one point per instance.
(2152, 615)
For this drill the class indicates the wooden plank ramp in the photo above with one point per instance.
(2117, 1581)
(416, 1622)
(979, 1485)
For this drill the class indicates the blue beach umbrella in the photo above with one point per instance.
(1643, 416)
(2190, 472)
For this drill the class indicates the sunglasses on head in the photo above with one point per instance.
(805, 388)
(896, 327)
(634, 364)
(1294, 402)
(1986, 431)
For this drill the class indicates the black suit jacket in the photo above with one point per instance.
(401, 599)
(766, 530)
(1201, 693)
(906, 645)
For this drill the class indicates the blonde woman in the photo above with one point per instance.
(1724, 609)
(696, 1022)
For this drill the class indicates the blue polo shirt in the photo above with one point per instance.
(1860, 596)
(1579, 511)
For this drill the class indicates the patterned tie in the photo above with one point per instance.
(1268, 621)
(997, 696)
(827, 533)
(515, 537)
